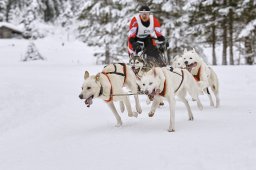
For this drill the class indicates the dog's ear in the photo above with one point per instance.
(154, 71)
(185, 50)
(176, 57)
(86, 75)
(97, 77)
(194, 50)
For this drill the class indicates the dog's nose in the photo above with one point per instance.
(81, 96)
(133, 67)
(146, 92)
(186, 62)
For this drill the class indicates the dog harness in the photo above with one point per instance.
(113, 72)
(197, 76)
(101, 89)
(118, 73)
(164, 90)
(182, 77)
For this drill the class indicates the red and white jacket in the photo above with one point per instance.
(137, 29)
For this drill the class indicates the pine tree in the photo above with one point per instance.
(103, 25)
(248, 30)
(3, 5)
(32, 53)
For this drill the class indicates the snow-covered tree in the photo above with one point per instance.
(3, 10)
(104, 24)
(32, 53)
(247, 34)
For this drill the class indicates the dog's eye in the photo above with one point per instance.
(150, 83)
(190, 58)
(178, 63)
(137, 62)
(88, 88)
(143, 84)
(82, 88)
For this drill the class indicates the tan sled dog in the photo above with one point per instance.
(109, 82)
(161, 83)
(204, 74)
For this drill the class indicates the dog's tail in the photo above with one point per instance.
(215, 82)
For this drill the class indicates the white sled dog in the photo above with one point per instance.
(204, 74)
(178, 62)
(139, 68)
(161, 83)
(109, 82)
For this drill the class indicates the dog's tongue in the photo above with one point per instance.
(189, 67)
(136, 71)
(154, 92)
(88, 101)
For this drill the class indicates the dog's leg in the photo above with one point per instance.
(137, 103)
(172, 104)
(216, 94)
(215, 86)
(217, 100)
(161, 103)
(209, 96)
(113, 109)
(157, 100)
(148, 100)
(183, 99)
(199, 104)
(129, 108)
(134, 88)
(121, 104)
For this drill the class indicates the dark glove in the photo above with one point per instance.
(136, 47)
(161, 38)
(167, 44)
(161, 47)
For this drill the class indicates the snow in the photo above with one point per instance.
(11, 26)
(44, 125)
(248, 29)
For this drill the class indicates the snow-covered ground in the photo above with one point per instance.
(45, 126)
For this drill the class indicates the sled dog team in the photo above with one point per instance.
(189, 74)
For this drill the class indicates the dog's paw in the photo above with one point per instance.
(191, 118)
(135, 114)
(130, 114)
(118, 124)
(171, 130)
(151, 114)
(139, 110)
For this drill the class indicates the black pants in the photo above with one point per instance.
(153, 54)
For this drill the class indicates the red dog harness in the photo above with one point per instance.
(164, 90)
(197, 76)
(115, 72)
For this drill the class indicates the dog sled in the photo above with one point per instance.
(150, 55)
